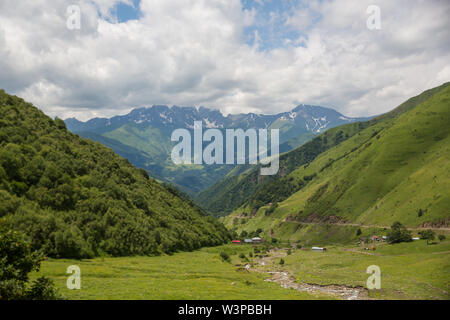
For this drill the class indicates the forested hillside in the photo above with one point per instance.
(76, 198)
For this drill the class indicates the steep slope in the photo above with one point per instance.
(245, 184)
(397, 168)
(76, 198)
(148, 131)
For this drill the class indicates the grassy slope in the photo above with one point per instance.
(244, 182)
(132, 136)
(386, 172)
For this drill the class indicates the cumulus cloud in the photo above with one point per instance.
(195, 52)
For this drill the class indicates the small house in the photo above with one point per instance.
(375, 238)
(257, 240)
(248, 240)
(236, 241)
(318, 249)
(416, 238)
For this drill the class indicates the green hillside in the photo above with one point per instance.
(244, 183)
(396, 168)
(75, 198)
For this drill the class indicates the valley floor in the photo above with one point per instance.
(408, 271)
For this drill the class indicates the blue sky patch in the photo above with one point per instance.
(126, 12)
(270, 23)
(123, 12)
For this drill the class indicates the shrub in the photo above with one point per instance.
(441, 237)
(244, 234)
(281, 261)
(420, 213)
(398, 233)
(225, 257)
(358, 232)
(427, 234)
(271, 209)
(16, 262)
(42, 289)
(289, 252)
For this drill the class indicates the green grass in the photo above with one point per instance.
(190, 275)
(412, 270)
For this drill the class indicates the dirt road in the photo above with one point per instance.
(369, 226)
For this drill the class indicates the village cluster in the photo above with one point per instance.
(362, 240)
(260, 240)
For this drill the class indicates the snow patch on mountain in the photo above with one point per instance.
(211, 124)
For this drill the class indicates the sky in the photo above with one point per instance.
(238, 56)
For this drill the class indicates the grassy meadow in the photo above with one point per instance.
(411, 270)
(408, 271)
(187, 275)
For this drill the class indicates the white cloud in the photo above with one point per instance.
(193, 52)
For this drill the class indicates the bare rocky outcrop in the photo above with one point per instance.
(440, 223)
(314, 218)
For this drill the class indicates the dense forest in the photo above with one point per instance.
(75, 198)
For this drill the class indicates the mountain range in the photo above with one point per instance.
(143, 136)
